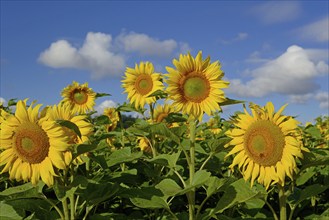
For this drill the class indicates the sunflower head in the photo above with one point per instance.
(140, 82)
(31, 148)
(195, 85)
(113, 115)
(63, 112)
(144, 144)
(161, 112)
(266, 145)
(80, 98)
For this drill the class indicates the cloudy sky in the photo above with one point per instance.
(270, 51)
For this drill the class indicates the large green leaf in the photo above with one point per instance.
(70, 125)
(305, 175)
(26, 190)
(9, 213)
(122, 156)
(154, 203)
(316, 157)
(168, 160)
(96, 193)
(169, 187)
(300, 195)
(214, 184)
(237, 192)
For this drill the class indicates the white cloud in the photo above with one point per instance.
(3, 101)
(292, 73)
(105, 104)
(277, 11)
(323, 98)
(240, 36)
(256, 58)
(94, 55)
(145, 45)
(316, 31)
(103, 56)
(300, 99)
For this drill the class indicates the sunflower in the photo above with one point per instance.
(195, 85)
(80, 98)
(161, 112)
(141, 82)
(267, 145)
(63, 112)
(31, 147)
(113, 115)
(144, 144)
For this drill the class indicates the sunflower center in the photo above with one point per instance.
(31, 143)
(196, 88)
(144, 84)
(264, 142)
(79, 96)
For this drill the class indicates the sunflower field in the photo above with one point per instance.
(179, 160)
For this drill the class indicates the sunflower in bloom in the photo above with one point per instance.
(31, 147)
(195, 85)
(63, 112)
(266, 145)
(161, 112)
(140, 82)
(80, 98)
(144, 144)
(113, 115)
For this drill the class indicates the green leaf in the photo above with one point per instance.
(200, 177)
(175, 117)
(314, 132)
(102, 95)
(300, 195)
(217, 145)
(159, 94)
(229, 101)
(128, 108)
(214, 184)
(11, 102)
(316, 157)
(163, 130)
(70, 125)
(168, 160)
(169, 187)
(96, 193)
(102, 120)
(154, 203)
(40, 207)
(26, 190)
(304, 176)
(122, 156)
(81, 149)
(9, 213)
(237, 192)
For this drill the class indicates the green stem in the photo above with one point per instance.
(55, 207)
(66, 209)
(191, 194)
(72, 206)
(291, 213)
(173, 215)
(272, 210)
(283, 203)
(206, 161)
(122, 130)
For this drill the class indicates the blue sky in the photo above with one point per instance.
(269, 50)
